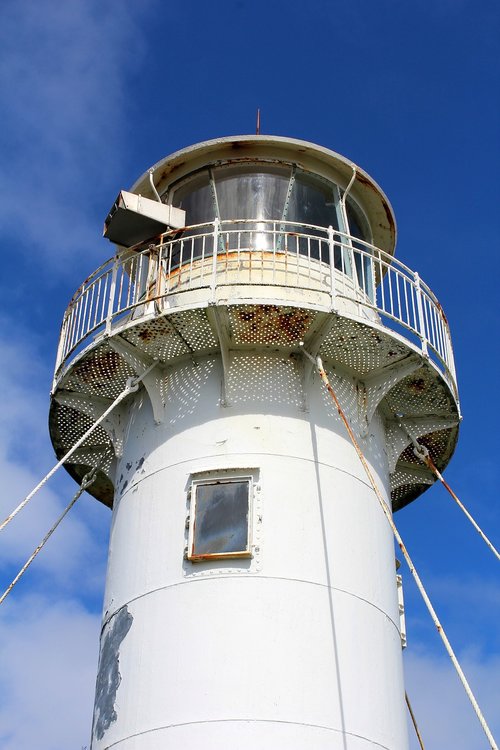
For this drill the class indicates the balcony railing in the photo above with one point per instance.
(351, 276)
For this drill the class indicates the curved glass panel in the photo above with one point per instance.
(196, 198)
(362, 258)
(276, 197)
(253, 195)
(312, 202)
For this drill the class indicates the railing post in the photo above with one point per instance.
(159, 250)
(421, 319)
(331, 252)
(213, 284)
(450, 358)
(453, 372)
(111, 301)
(61, 347)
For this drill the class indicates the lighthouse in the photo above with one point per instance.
(251, 594)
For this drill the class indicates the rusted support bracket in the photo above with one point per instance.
(98, 456)
(94, 407)
(402, 432)
(221, 333)
(140, 362)
(312, 344)
(373, 389)
(410, 474)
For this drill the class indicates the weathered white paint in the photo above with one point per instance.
(298, 647)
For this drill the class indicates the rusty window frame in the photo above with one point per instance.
(220, 480)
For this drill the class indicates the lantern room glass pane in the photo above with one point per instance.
(220, 519)
(312, 202)
(196, 198)
(253, 195)
(362, 254)
(258, 205)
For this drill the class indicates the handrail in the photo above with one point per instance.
(268, 253)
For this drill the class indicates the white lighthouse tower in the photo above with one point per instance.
(251, 595)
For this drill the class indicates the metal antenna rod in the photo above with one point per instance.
(257, 127)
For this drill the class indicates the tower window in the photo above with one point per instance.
(219, 519)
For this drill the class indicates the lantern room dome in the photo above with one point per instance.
(292, 172)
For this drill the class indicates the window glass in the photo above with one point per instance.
(355, 223)
(253, 195)
(220, 520)
(259, 192)
(362, 260)
(312, 202)
(197, 200)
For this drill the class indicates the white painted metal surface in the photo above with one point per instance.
(132, 215)
(298, 646)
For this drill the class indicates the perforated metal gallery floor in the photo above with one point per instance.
(99, 374)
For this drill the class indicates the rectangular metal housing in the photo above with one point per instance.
(134, 219)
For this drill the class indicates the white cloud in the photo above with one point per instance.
(473, 594)
(49, 624)
(467, 602)
(62, 82)
(73, 552)
(25, 456)
(443, 712)
(49, 627)
(49, 654)
(24, 381)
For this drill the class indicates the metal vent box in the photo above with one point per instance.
(134, 219)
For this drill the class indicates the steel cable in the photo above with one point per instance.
(86, 482)
(414, 722)
(423, 454)
(131, 387)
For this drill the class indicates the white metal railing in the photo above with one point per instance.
(349, 271)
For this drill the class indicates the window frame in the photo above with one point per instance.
(215, 479)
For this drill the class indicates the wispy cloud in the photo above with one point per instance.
(466, 604)
(64, 105)
(443, 711)
(48, 639)
(25, 456)
(48, 653)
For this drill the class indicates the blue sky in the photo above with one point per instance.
(93, 93)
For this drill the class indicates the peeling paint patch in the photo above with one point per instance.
(108, 676)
